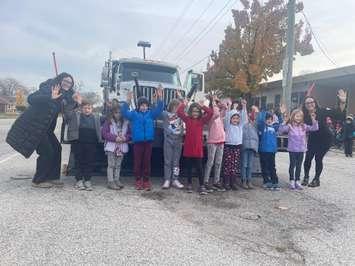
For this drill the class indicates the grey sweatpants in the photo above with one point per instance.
(215, 156)
(172, 154)
(113, 166)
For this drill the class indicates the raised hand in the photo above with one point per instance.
(342, 95)
(77, 97)
(313, 116)
(129, 96)
(244, 103)
(178, 94)
(201, 102)
(283, 109)
(56, 92)
(159, 92)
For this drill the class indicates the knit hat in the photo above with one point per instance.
(350, 117)
(233, 113)
(142, 100)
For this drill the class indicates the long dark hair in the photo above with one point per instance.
(49, 83)
(192, 106)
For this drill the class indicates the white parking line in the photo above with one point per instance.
(8, 158)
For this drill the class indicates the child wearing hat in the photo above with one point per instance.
(142, 129)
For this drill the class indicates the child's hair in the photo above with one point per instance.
(192, 106)
(268, 115)
(111, 115)
(173, 103)
(85, 102)
(294, 113)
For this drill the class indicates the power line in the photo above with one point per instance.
(175, 25)
(318, 41)
(189, 29)
(196, 63)
(205, 31)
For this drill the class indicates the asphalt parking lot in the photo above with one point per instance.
(62, 226)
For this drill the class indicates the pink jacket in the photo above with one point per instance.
(216, 132)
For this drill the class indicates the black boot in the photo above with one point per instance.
(305, 181)
(315, 183)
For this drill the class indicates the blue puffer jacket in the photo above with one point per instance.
(142, 123)
(267, 134)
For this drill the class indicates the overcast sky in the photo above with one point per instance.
(82, 33)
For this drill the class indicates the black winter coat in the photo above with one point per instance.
(39, 119)
(323, 138)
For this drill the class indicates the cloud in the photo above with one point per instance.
(83, 32)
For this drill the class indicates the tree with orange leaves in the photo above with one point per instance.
(253, 49)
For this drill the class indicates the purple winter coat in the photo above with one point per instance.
(297, 135)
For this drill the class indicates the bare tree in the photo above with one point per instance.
(9, 87)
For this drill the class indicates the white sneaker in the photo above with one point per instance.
(88, 185)
(80, 185)
(166, 184)
(177, 184)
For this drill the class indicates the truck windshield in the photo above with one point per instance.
(150, 73)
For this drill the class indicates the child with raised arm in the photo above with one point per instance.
(114, 132)
(215, 145)
(267, 130)
(233, 125)
(84, 131)
(142, 127)
(297, 130)
(250, 148)
(193, 143)
(173, 135)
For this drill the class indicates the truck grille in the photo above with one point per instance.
(148, 92)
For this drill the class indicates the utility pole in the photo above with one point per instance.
(288, 60)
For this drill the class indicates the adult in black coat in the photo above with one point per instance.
(34, 129)
(319, 142)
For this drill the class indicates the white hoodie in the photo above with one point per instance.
(234, 133)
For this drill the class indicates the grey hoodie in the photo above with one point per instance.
(250, 137)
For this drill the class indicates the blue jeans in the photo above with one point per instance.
(247, 164)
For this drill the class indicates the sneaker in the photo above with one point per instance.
(276, 187)
(292, 185)
(88, 185)
(80, 185)
(234, 187)
(147, 185)
(268, 186)
(298, 185)
(203, 190)
(166, 184)
(227, 187)
(208, 188)
(57, 183)
(119, 184)
(42, 185)
(219, 187)
(250, 185)
(177, 184)
(189, 188)
(139, 184)
(244, 185)
(315, 183)
(305, 181)
(112, 185)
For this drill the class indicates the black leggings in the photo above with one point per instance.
(318, 153)
(49, 159)
(193, 163)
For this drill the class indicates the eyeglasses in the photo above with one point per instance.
(309, 102)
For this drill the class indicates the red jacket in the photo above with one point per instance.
(193, 144)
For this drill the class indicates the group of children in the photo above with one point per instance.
(234, 138)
